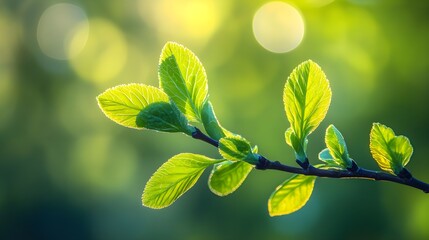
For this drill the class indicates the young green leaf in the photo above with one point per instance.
(326, 157)
(306, 97)
(123, 103)
(226, 177)
(211, 124)
(237, 148)
(174, 178)
(291, 195)
(183, 78)
(390, 152)
(298, 146)
(140, 106)
(165, 117)
(337, 147)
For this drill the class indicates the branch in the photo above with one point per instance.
(359, 173)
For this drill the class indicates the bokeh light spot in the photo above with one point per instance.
(317, 3)
(184, 20)
(57, 26)
(105, 52)
(278, 27)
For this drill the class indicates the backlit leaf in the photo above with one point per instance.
(337, 147)
(291, 195)
(236, 148)
(174, 178)
(183, 78)
(326, 157)
(165, 117)
(299, 147)
(390, 152)
(306, 97)
(140, 106)
(211, 124)
(226, 177)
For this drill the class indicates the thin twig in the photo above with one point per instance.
(360, 173)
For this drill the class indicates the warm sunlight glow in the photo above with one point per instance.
(105, 52)
(278, 27)
(183, 20)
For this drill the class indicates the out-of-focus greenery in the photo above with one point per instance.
(68, 172)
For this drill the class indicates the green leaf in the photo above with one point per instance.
(226, 177)
(211, 124)
(390, 152)
(123, 103)
(326, 157)
(183, 78)
(291, 195)
(299, 147)
(174, 178)
(140, 106)
(337, 147)
(306, 96)
(165, 117)
(236, 148)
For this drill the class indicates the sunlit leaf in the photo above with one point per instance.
(299, 147)
(226, 177)
(140, 106)
(337, 147)
(326, 157)
(288, 136)
(165, 117)
(390, 152)
(174, 178)
(236, 148)
(291, 195)
(306, 97)
(183, 78)
(211, 124)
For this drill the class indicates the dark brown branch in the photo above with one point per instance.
(359, 173)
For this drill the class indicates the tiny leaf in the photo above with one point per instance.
(183, 78)
(236, 148)
(390, 152)
(337, 147)
(326, 157)
(226, 177)
(306, 97)
(299, 147)
(211, 124)
(291, 195)
(174, 178)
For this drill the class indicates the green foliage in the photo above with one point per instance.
(211, 124)
(140, 106)
(227, 176)
(236, 148)
(390, 152)
(336, 154)
(183, 97)
(174, 178)
(183, 78)
(306, 97)
(291, 195)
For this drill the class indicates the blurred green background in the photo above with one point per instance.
(67, 172)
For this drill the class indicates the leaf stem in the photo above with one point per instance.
(359, 173)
